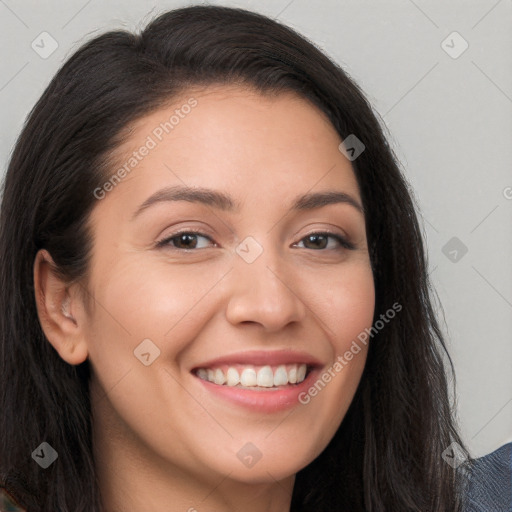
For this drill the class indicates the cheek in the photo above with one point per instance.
(345, 301)
(141, 300)
(136, 302)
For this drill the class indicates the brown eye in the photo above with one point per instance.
(184, 240)
(321, 241)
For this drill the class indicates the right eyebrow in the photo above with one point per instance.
(202, 195)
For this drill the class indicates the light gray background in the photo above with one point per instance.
(449, 121)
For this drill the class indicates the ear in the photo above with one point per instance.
(60, 310)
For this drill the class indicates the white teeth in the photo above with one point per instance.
(301, 373)
(280, 377)
(219, 377)
(265, 377)
(250, 377)
(233, 377)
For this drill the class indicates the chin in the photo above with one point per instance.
(251, 466)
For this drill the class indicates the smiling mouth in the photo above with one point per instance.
(255, 378)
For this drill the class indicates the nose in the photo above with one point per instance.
(263, 292)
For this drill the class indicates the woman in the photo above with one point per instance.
(214, 287)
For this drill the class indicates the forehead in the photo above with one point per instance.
(237, 138)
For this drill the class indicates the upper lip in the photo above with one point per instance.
(261, 358)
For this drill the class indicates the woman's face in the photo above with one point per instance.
(211, 261)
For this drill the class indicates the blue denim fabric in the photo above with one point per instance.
(490, 482)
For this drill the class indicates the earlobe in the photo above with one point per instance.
(59, 311)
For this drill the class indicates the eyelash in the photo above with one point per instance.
(344, 243)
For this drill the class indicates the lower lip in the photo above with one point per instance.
(268, 400)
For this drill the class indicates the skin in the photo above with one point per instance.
(160, 437)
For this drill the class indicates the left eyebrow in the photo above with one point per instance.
(222, 201)
(319, 199)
